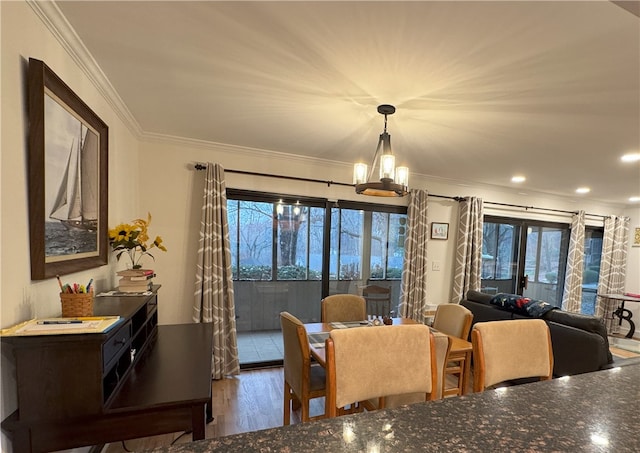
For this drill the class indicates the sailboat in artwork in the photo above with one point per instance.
(76, 204)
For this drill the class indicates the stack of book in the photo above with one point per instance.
(135, 280)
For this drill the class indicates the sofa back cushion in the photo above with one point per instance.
(477, 296)
(584, 322)
(578, 320)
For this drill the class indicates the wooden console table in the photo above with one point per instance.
(136, 380)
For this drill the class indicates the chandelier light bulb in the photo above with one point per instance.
(360, 173)
(402, 176)
(387, 166)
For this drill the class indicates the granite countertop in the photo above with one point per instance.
(593, 412)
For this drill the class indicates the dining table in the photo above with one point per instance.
(318, 332)
(591, 412)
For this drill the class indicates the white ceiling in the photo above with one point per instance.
(483, 90)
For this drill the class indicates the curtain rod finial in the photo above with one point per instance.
(199, 166)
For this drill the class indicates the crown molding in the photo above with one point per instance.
(237, 149)
(62, 30)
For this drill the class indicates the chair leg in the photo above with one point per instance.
(295, 402)
(457, 372)
(287, 404)
(304, 413)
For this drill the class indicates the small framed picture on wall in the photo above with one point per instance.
(439, 230)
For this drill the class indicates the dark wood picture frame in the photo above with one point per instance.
(77, 242)
(439, 230)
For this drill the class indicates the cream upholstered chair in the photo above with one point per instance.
(302, 381)
(378, 300)
(343, 308)
(442, 345)
(454, 320)
(365, 363)
(510, 349)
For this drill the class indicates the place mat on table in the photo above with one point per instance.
(317, 339)
(349, 324)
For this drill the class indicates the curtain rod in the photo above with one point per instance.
(543, 209)
(294, 178)
(200, 166)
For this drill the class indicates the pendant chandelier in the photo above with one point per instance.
(394, 181)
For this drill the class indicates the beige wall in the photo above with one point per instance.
(157, 176)
(176, 207)
(24, 35)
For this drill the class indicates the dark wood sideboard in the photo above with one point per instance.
(136, 380)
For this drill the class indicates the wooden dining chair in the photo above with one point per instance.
(454, 320)
(373, 363)
(510, 349)
(343, 308)
(378, 300)
(302, 380)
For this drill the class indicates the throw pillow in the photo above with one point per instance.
(522, 305)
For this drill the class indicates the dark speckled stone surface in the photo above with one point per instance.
(594, 412)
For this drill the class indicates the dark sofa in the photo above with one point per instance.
(580, 343)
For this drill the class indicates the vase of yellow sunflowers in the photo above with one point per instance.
(132, 239)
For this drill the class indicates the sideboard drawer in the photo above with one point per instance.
(112, 348)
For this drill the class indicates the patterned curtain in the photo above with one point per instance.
(613, 266)
(413, 296)
(468, 271)
(572, 295)
(214, 300)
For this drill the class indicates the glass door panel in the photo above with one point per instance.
(500, 250)
(346, 252)
(591, 270)
(545, 261)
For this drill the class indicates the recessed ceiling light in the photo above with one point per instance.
(583, 190)
(634, 199)
(631, 157)
(518, 179)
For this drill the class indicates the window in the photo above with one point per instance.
(387, 245)
(366, 245)
(250, 230)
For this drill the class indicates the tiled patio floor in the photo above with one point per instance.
(263, 346)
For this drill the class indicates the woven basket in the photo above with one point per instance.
(76, 305)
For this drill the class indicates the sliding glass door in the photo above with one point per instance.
(524, 257)
(288, 253)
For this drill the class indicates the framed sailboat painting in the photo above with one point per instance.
(68, 178)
